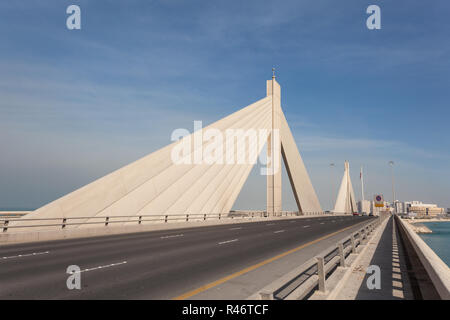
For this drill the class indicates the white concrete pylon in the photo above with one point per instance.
(345, 201)
(274, 200)
(302, 188)
(156, 185)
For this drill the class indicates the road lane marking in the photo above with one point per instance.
(270, 224)
(26, 255)
(278, 231)
(255, 266)
(293, 221)
(223, 242)
(306, 227)
(172, 236)
(322, 223)
(236, 228)
(101, 267)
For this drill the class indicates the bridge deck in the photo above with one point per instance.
(159, 264)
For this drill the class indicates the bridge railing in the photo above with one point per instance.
(13, 214)
(9, 224)
(313, 274)
(437, 270)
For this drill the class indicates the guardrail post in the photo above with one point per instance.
(106, 221)
(321, 273)
(352, 240)
(165, 218)
(363, 234)
(140, 219)
(63, 225)
(187, 217)
(341, 254)
(5, 225)
(220, 215)
(204, 217)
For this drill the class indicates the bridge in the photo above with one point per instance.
(162, 228)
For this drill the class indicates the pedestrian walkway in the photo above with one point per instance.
(389, 256)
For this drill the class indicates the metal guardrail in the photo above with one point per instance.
(301, 282)
(63, 222)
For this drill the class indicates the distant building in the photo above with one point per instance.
(418, 208)
(399, 207)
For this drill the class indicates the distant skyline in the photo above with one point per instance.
(76, 105)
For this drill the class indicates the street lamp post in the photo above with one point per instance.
(332, 186)
(391, 163)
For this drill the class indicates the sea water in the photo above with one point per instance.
(439, 240)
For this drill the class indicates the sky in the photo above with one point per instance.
(78, 104)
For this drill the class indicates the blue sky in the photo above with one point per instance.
(75, 105)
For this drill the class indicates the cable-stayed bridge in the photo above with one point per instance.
(162, 227)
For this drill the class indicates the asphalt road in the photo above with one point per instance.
(152, 265)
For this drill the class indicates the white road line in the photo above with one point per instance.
(322, 223)
(236, 228)
(278, 231)
(26, 255)
(223, 242)
(270, 224)
(101, 267)
(172, 236)
(293, 221)
(306, 227)
(333, 221)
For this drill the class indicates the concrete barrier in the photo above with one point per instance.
(437, 270)
(47, 235)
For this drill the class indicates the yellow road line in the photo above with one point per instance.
(253, 267)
